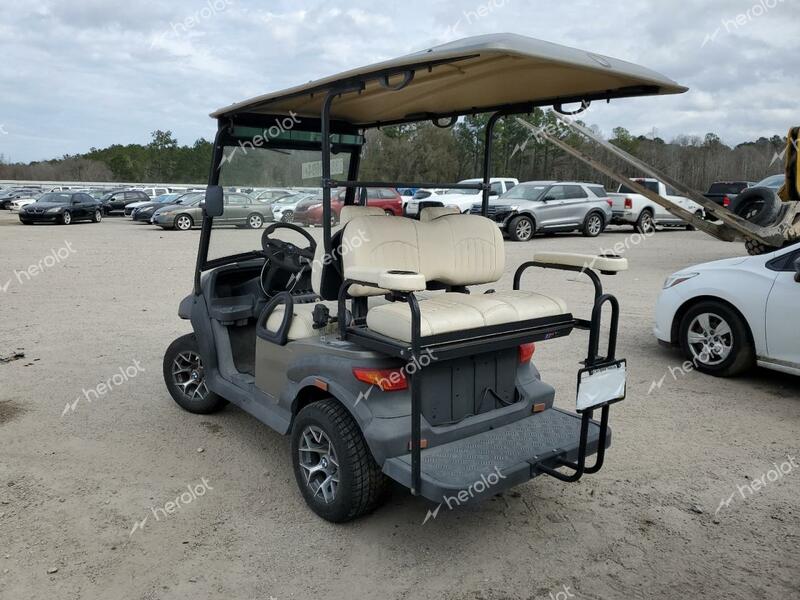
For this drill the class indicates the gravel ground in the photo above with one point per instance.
(75, 477)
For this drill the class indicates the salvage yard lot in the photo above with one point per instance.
(114, 492)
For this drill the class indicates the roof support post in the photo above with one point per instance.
(205, 232)
(487, 159)
(325, 142)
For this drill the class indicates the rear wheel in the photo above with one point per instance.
(97, 216)
(183, 222)
(388, 213)
(255, 221)
(716, 339)
(333, 466)
(645, 223)
(66, 218)
(593, 225)
(184, 374)
(521, 228)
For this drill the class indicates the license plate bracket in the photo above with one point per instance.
(601, 385)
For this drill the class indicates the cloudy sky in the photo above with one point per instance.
(83, 73)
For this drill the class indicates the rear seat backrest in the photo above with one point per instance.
(452, 249)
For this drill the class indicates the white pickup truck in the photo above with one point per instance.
(461, 199)
(631, 208)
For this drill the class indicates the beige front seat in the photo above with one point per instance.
(452, 250)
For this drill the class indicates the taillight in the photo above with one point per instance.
(526, 352)
(610, 202)
(726, 202)
(388, 380)
(628, 203)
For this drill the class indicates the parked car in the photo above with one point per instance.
(117, 201)
(16, 205)
(143, 211)
(422, 194)
(240, 210)
(723, 192)
(309, 210)
(283, 209)
(460, 199)
(10, 194)
(62, 207)
(269, 195)
(634, 209)
(729, 315)
(152, 192)
(549, 207)
(162, 199)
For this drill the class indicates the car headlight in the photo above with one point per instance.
(54, 209)
(514, 208)
(677, 278)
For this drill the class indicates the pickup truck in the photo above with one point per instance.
(461, 199)
(634, 209)
(723, 192)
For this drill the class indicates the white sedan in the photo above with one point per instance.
(730, 314)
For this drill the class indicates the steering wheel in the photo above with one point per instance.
(285, 260)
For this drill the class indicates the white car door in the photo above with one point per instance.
(783, 314)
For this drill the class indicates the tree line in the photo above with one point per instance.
(426, 152)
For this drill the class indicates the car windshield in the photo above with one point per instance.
(525, 191)
(271, 167)
(190, 199)
(774, 181)
(55, 198)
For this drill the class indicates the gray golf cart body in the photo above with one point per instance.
(471, 406)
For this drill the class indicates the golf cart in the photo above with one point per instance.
(369, 349)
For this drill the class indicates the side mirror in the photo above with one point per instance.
(797, 269)
(214, 203)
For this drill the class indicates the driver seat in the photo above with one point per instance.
(301, 325)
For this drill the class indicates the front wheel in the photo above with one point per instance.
(66, 218)
(333, 466)
(97, 216)
(184, 374)
(521, 228)
(183, 222)
(716, 339)
(593, 226)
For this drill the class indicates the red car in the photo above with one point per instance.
(309, 212)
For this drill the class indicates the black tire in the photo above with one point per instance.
(759, 205)
(741, 356)
(645, 223)
(182, 390)
(65, 218)
(361, 484)
(593, 224)
(26, 222)
(184, 222)
(255, 221)
(388, 213)
(97, 216)
(521, 228)
(287, 216)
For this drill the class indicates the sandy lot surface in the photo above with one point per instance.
(74, 480)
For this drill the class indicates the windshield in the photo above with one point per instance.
(294, 174)
(55, 198)
(774, 181)
(525, 191)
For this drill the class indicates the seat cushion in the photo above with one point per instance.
(451, 312)
(302, 323)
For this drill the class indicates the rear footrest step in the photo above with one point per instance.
(486, 463)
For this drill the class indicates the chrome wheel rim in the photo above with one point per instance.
(595, 225)
(189, 376)
(67, 218)
(319, 463)
(255, 222)
(524, 229)
(98, 216)
(287, 217)
(648, 224)
(710, 339)
(184, 222)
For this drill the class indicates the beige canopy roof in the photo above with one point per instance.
(471, 75)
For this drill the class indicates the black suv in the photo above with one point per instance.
(119, 200)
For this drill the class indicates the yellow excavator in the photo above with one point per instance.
(763, 219)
